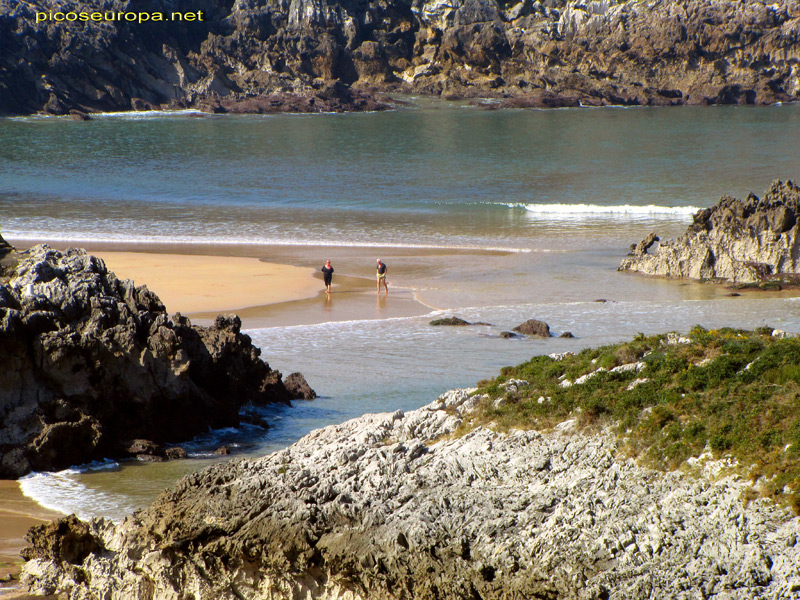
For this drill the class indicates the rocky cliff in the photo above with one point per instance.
(391, 506)
(309, 55)
(90, 362)
(741, 241)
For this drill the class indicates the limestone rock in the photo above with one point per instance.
(392, 506)
(279, 55)
(89, 361)
(741, 241)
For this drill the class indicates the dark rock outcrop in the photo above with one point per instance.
(309, 55)
(450, 322)
(298, 388)
(91, 363)
(456, 322)
(5, 249)
(534, 327)
(738, 240)
(69, 540)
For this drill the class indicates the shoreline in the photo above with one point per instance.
(217, 279)
(18, 513)
(224, 278)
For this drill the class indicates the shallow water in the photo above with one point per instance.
(545, 203)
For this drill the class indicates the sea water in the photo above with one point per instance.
(496, 216)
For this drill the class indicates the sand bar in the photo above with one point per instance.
(191, 284)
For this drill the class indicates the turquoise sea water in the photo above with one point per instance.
(496, 216)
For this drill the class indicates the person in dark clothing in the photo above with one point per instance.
(382, 269)
(327, 274)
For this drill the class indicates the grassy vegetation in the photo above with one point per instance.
(731, 392)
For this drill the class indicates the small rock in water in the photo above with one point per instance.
(298, 387)
(175, 453)
(534, 327)
(452, 321)
(142, 447)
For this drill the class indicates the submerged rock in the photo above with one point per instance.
(393, 506)
(450, 321)
(90, 361)
(737, 240)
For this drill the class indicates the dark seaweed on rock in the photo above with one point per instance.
(91, 362)
(309, 56)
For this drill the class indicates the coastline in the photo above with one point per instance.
(278, 285)
(262, 290)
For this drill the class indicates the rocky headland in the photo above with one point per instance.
(741, 241)
(307, 55)
(93, 366)
(448, 502)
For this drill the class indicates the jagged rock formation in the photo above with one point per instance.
(376, 508)
(306, 55)
(741, 241)
(89, 362)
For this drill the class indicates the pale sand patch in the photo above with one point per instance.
(190, 284)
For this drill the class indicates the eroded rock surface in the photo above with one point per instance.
(90, 363)
(738, 240)
(312, 55)
(377, 509)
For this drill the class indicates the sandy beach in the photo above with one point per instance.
(191, 284)
(263, 290)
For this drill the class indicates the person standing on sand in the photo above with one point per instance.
(327, 274)
(382, 269)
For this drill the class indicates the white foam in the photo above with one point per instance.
(146, 114)
(61, 492)
(85, 238)
(583, 210)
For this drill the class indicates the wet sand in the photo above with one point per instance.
(17, 514)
